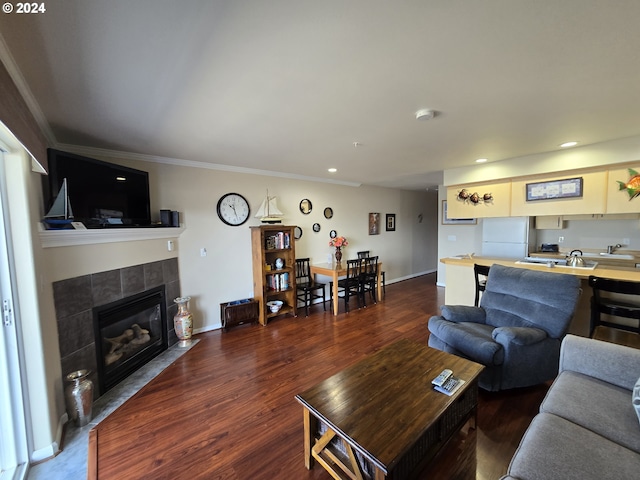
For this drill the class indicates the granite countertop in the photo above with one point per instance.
(601, 270)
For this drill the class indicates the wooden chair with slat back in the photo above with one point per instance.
(349, 286)
(364, 254)
(480, 273)
(307, 289)
(369, 278)
(615, 298)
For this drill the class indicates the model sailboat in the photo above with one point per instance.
(268, 211)
(60, 213)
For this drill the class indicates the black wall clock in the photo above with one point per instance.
(233, 209)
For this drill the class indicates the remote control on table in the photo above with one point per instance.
(443, 377)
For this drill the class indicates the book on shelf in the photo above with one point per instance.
(278, 281)
(278, 241)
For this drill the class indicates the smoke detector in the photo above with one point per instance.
(425, 114)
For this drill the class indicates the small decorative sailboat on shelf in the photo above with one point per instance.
(60, 215)
(268, 211)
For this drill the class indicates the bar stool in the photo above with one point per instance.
(621, 299)
(481, 283)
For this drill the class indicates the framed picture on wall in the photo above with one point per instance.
(374, 223)
(455, 221)
(391, 222)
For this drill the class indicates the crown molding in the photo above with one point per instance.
(16, 75)
(115, 154)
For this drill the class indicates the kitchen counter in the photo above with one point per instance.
(460, 286)
(608, 271)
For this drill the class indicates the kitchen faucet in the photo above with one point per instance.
(611, 248)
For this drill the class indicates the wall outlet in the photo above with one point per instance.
(626, 241)
(452, 238)
(170, 245)
(203, 252)
(560, 239)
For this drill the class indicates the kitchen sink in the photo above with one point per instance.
(620, 256)
(555, 262)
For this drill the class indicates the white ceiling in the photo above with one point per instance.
(290, 85)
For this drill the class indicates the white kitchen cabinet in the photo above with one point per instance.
(550, 222)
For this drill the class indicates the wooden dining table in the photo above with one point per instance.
(337, 270)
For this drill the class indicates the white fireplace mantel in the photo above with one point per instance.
(69, 238)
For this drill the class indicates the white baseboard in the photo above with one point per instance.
(52, 450)
(408, 277)
(208, 328)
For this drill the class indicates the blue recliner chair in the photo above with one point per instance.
(517, 329)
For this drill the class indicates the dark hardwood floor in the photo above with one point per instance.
(226, 409)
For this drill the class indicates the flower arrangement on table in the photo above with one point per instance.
(338, 242)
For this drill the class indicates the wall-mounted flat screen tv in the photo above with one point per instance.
(101, 194)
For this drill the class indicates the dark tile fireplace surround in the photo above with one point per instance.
(76, 297)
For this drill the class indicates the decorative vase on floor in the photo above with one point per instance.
(79, 396)
(338, 254)
(183, 321)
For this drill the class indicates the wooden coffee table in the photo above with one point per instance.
(381, 418)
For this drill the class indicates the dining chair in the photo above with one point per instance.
(364, 254)
(369, 278)
(481, 283)
(350, 285)
(306, 287)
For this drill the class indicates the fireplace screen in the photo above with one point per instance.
(129, 333)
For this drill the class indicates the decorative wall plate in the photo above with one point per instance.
(306, 206)
(333, 234)
(316, 227)
(297, 233)
(328, 212)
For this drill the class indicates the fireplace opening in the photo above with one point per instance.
(129, 333)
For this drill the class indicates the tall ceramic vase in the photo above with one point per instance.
(183, 321)
(338, 255)
(79, 397)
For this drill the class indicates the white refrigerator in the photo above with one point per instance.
(508, 237)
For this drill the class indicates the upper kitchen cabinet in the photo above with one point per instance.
(479, 200)
(621, 200)
(591, 201)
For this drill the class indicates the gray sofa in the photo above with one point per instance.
(587, 427)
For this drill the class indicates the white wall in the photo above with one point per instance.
(455, 239)
(225, 274)
(594, 234)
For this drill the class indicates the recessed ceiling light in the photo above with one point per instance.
(481, 160)
(333, 170)
(568, 144)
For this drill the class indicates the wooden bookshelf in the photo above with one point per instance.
(269, 243)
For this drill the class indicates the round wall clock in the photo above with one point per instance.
(233, 209)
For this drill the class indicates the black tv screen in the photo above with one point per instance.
(101, 194)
